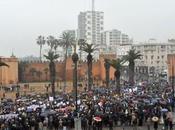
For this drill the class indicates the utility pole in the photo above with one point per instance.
(173, 79)
(77, 120)
(93, 5)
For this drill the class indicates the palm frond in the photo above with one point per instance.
(116, 64)
(51, 56)
(40, 40)
(89, 48)
(67, 40)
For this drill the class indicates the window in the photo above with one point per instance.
(146, 57)
(162, 57)
(157, 57)
(152, 57)
(163, 46)
(89, 22)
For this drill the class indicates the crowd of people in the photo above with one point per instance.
(98, 108)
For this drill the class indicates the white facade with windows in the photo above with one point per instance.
(114, 37)
(154, 55)
(90, 26)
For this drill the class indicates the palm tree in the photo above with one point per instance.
(107, 68)
(89, 48)
(81, 42)
(40, 41)
(131, 57)
(52, 42)
(67, 40)
(117, 65)
(51, 56)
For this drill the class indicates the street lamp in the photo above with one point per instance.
(75, 60)
(173, 79)
(77, 121)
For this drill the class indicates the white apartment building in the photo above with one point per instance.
(125, 39)
(123, 49)
(90, 26)
(114, 37)
(116, 42)
(111, 38)
(154, 55)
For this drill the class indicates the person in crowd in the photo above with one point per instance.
(169, 118)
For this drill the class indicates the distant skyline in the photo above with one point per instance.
(21, 21)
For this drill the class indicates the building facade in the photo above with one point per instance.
(115, 41)
(171, 67)
(9, 75)
(90, 26)
(154, 55)
(114, 37)
(111, 38)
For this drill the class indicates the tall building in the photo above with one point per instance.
(116, 42)
(125, 39)
(90, 26)
(112, 37)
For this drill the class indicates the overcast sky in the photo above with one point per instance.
(21, 21)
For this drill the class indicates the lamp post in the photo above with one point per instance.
(173, 79)
(75, 60)
(173, 97)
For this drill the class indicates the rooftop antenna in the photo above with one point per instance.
(93, 5)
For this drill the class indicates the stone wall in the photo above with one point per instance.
(36, 71)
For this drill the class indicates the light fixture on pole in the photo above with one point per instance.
(77, 120)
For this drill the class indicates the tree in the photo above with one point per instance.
(117, 65)
(41, 41)
(89, 48)
(131, 56)
(107, 68)
(81, 42)
(67, 40)
(51, 57)
(52, 42)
